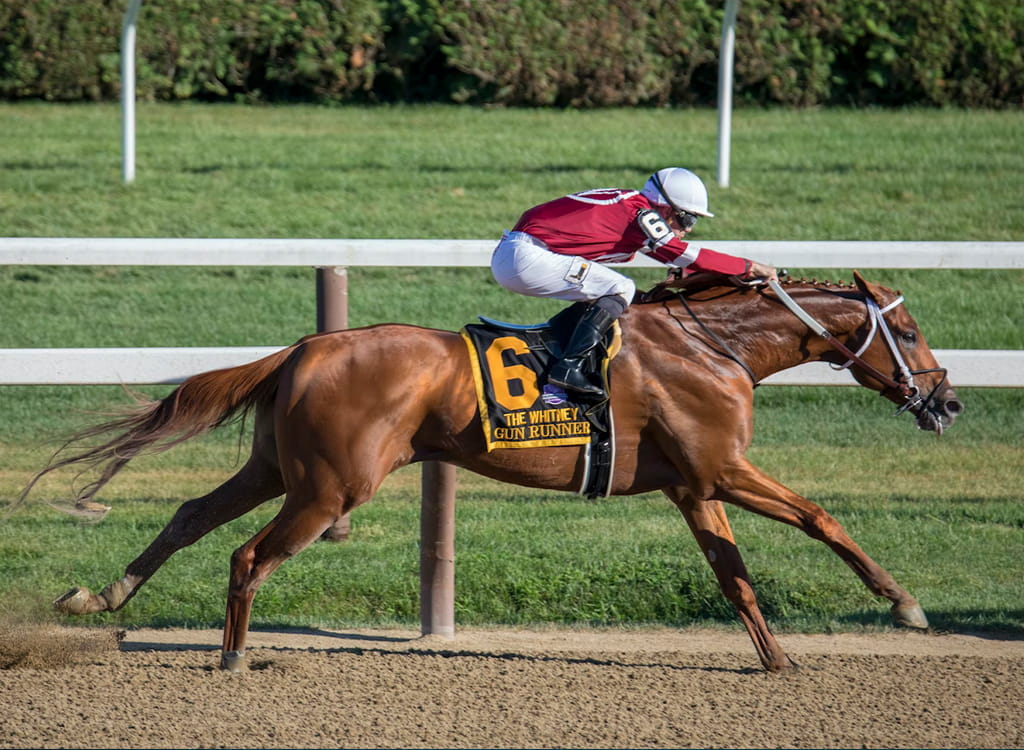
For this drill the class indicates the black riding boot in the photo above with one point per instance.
(568, 371)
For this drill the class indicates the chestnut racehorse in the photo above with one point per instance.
(337, 412)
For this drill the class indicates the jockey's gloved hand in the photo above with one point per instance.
(760, 273)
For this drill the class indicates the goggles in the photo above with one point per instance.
(686, 220)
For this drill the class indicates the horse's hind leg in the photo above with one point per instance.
(750, 488)
(258, 481)
(298, 524)
(710, 526)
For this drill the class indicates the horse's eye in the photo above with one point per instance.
(909, 338)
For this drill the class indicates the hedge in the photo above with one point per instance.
(208, 49)
(561, 53)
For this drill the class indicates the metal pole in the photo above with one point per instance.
(437, 550)
(128, 91)
(331, 298)
(725, 57)
(332, 315)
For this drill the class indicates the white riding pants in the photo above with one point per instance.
(523, 264)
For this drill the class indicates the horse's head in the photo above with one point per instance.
(896, 348)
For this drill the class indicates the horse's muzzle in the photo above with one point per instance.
(938, 411)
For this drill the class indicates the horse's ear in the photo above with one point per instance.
(868, 288)
(877, 292)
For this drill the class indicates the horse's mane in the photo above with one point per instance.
(691, 285)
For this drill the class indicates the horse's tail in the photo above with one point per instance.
(201, 403)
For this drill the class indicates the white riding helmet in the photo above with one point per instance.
(679, 188)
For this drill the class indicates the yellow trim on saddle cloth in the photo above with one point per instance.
(613, 348)
(524, 416)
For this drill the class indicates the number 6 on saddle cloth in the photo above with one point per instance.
(520, 409)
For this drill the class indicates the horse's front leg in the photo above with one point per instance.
(747, 487)
(710, 526)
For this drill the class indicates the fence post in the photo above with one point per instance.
(726, 52)
(332, 315)
(437, 550)
(131, 15)
(331, 298)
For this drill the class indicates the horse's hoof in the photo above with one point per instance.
(785, 665)
(233, 661)
(910, 616)
(74, 602)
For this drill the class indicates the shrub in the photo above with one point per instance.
(207, 49)
(558, 53)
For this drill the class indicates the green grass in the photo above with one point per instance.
(528, 557)
(436, 171)
(944, 516)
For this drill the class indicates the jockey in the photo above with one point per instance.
(556, 250)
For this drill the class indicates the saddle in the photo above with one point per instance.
(520, 409)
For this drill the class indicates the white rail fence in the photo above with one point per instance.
(136, 251)
(437, 515)
(158, 365)
(152, 365)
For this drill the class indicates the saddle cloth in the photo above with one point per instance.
(520, 409)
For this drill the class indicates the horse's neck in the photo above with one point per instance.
(780, 340)
(764, 334)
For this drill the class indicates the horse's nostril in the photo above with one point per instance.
(953, 408)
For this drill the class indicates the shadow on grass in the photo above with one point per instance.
(1004, 624)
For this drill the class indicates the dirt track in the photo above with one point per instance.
(73, 687)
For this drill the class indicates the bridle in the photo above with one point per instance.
(904, 383)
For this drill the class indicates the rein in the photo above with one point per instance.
(904, 386)
(712, 335)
